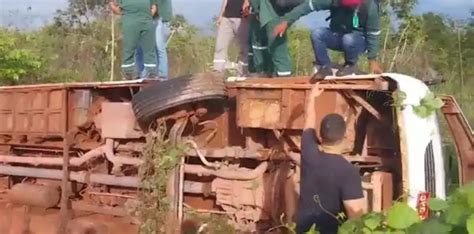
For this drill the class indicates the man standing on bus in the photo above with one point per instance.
(138, 32)
(162, 32)
(232, 23)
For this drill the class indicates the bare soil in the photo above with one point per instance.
(16, 219)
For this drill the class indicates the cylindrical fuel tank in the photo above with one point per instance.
(35, 195)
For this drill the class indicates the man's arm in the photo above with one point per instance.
(310, 113)
(305, 8)
(115, 7)
(246, 8)
(355, 208)
(372, 35)
(308, 139)
(153, 9)
(301, 10)
(352, 194)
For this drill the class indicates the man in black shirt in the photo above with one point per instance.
(232, 23)
(329, 183)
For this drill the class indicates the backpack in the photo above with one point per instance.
(360, 13)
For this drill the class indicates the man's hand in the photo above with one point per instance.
(355, 208)
(153, 9)
(246, 8)
(309, 112)
(316, 91)
(115, 8)
(375, 67)
(280, 29)
(218, 21)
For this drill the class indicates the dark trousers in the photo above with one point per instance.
(352, 44)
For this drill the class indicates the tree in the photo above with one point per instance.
(15, 63)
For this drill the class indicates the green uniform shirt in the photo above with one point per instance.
(305, 8)
(269, 11)
(342, 20)
(136, 9)
(255, 5)
(165, 10)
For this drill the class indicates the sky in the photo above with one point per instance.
(30, 14)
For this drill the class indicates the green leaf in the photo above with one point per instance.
(396, 232)
(430, 226)
(434, 103)
(438, 103)
(421, 111)
(349, 227)
(470, 224)
(366, 231)
(429, 95)
(398, 98)
(372, 221)
(401, 216)
(312, 230)
(437, 204)
(470, 200)
(291, 226)
(455, 214)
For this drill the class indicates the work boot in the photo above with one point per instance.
(321, 74)
(152, 76)
(347, 70)
(128, 76)
(257, 75)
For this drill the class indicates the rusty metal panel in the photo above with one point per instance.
(118, 121)
(31, 112)
(81, 102)
(258, 108)
(283, 108)
(6, 112)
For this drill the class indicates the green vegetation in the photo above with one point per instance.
(14, 62)
(161, 157)
(80, 46)
(454, 215)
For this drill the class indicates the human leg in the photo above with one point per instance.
(131, 36)
(353, 45)
(162, 34)
(278, 49)
(243, 35)
(224, 37)
(139, 62)
(322, 40)
(258, 47)
(147, 43)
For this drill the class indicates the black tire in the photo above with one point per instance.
(149, 102)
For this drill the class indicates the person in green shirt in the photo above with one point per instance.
(268, 53)
(258, 57)
(138, 31)
(162, 23)
(354, 28)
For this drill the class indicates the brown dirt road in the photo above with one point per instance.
(14, 220)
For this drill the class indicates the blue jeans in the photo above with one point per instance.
(352, 44)
(162, 34)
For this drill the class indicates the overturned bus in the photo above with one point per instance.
(243, 142)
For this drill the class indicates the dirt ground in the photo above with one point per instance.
(14, 220)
